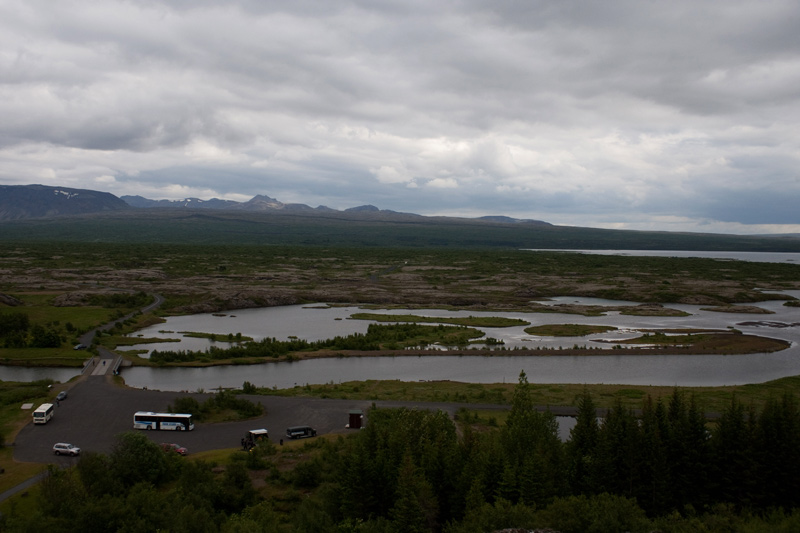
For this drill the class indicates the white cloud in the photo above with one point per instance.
(442, 183)
(388, 174)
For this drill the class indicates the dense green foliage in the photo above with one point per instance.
(19, 392)
(13, 323)
(138, 487)
(627, 473)
(473, 321)
(16, 331)
(377, 337)
(120, 300)
(19, 330)
(221, 402)
(567, 330)
(13, 394)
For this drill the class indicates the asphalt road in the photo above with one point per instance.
(96, 411)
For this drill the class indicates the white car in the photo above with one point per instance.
(63, 448)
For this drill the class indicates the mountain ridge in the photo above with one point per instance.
(266, 221)
(19, 202)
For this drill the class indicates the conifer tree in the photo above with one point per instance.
(508, 487)
(531, 436)
(778, 447)
(582, 446)
(652, 472)
(415, 507)
(615, 466)
(734, 455)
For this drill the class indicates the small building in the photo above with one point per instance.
(356, 419)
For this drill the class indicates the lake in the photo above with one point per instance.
(758, 257)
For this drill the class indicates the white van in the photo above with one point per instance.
(43, 413)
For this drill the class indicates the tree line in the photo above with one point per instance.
(17, 331)
(661, 468)
(410, 471)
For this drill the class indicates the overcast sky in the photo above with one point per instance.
(676, 116)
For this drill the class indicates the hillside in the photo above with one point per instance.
(359, 228)
(30, 201)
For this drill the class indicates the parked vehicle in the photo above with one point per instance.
(172, 447)
(43, 413)
(167, 421)
(64, 448)
(62, 395)
(258, 434)
(253, 437)
(301, 432)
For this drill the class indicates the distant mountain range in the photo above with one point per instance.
(18, 202)
(257, 203)
(265, 203)
(38, 213)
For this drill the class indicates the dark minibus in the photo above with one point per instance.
(301, 432)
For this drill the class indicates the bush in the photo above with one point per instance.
(605, 512)
(221, 401)
(186, 404)
(136, 459)
(307, 474)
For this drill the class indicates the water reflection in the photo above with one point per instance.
(26, 374)
(757, 257)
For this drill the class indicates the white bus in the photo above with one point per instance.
(167, 421)
(43, 413)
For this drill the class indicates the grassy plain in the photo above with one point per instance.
(567, 330)
(471, 321)
(214, 278)
(711, 399)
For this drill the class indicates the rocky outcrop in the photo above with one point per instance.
(10, 301)
(246, 299)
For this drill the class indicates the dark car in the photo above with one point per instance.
(172, 447)
(62, 395)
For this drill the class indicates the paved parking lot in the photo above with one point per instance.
(96, 411)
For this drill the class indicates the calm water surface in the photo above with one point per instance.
(305, 322)
(758, 257)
